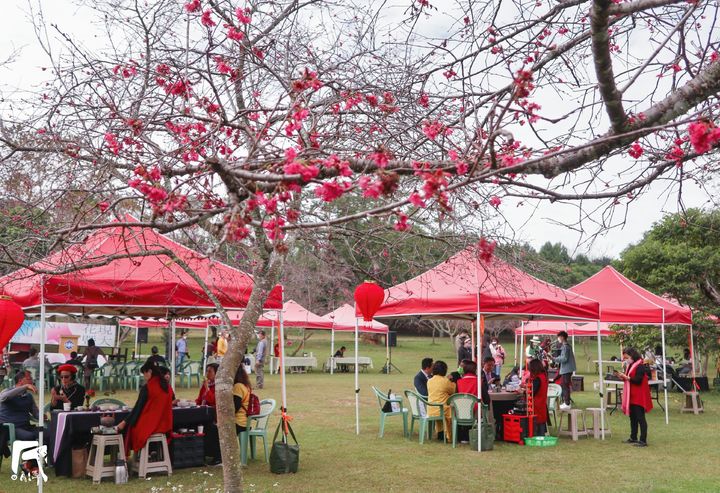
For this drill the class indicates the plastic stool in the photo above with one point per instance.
(595, 413)
(96, 466)
(143, 465)
(576, 417)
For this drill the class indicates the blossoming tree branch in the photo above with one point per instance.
(252, 118)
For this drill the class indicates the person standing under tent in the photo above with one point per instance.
(261, 351)
(421, 379)
(439, 391)
(532, 351)
(636, 399)
(90, 361)
(465, 351)
(221, 346)
(566, 360)
(181, 352)
(17, 406)
(155, 358)
(539, 381)
(498, 353)
(206, 397)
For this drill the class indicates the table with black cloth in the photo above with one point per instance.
(686, 383)
(65, 425)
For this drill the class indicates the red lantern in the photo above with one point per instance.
(368, 299)
(11, 318)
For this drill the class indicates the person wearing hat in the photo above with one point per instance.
(533, 351)
(68, 390)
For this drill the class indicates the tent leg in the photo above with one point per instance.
(272, 346)
(205, 355)
(357, 380)
(601, 383)
(387, 353)
(173, 370)
(135, 352)
(332, 350)
(41, 390)
(522, 348)
(478, 349)
(665, 390)
(281, 366)
(692, 356)
(515, 349)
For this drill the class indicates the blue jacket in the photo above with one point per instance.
(17, 406)
(566, 359)
(421, 383)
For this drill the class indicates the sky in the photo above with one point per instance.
(524, 222)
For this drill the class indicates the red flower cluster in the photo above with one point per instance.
(495, 201)
(309, 80)
(486, 249)
(402, 222)
(636, 150)
(523, 83)
(433, 129)
(703, 136)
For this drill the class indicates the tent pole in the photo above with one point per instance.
(272, 346)
(387, 352)
(478, 349)
(602, 384)
(332, 349)
(664, 361)
(281, 366)
(172, 352)
(357, 384)
(522, 347)
(573, 342)
(692, 356)
(135, 352)
(205, 355)
(41, 389)
(515, 348)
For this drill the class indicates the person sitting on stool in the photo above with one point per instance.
(340, 353)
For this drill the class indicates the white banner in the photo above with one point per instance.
(29, 333)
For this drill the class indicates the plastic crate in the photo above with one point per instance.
(517, 427)
(541, 441)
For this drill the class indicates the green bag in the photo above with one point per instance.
(284, 457)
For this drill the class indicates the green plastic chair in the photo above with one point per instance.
(107, 375)
(259, 426)
(108, 400)
(132, 376)
(463, 412)
(188, 371)
(382, 399)
(11, 438)
(427, 423)
(553, 394)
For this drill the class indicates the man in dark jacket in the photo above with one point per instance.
(17, 406)
(566, 360)
(422, 377)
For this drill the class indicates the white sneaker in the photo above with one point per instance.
(565, 407)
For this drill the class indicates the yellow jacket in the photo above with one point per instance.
(439, 391)
(221, 348)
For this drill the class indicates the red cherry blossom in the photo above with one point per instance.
(424, 100)
(243, 15)
(703, 136)
(332, 190)
(234, 34)
(636, 150)
(402, 223)
(192, 6)
(495, 201)
(486, 250)
(206, 19)
(416, 200)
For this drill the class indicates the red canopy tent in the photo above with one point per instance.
(464, 286)
(573, 328)
(125, 271)
(134, 282)
(624, 302)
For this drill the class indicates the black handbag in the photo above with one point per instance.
(284, 456)
(387, 407)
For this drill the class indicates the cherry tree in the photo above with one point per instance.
(253, 121)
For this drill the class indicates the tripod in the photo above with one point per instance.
(389, 364)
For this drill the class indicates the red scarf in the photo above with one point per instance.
(640, 392)
(156, 416)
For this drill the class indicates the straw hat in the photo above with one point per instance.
(535, 339)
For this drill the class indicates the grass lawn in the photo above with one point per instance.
(684, 456)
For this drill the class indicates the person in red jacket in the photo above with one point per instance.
(636, 399)
(539, 381)
(206, 396)
(152, 412)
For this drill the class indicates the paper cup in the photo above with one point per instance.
(67, 406)
(200, 428)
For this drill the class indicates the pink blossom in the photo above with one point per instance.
(523, 83)
(432, 129)
(424, 100)
(192, 6)
(112, 143)
(402, 223)
(449, 74)
(154, 174)
(243, 15)
(381, 157)
(371, 188)
(206, 19)
(103, 206)
(290, 154)
(234, 34)
(306, 172)
(495, 201)
(486, 250)
(416, 200)
(703, 136)
(332, 190)
(461, 168)
(273, 228)
(636, 150)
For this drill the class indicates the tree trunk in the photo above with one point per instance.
(266, 275)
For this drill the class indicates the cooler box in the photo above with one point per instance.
(517, 427)
(187, 451)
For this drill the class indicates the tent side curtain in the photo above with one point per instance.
(465, 284)
(146, 282)
(573, 328)
(624, 302)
